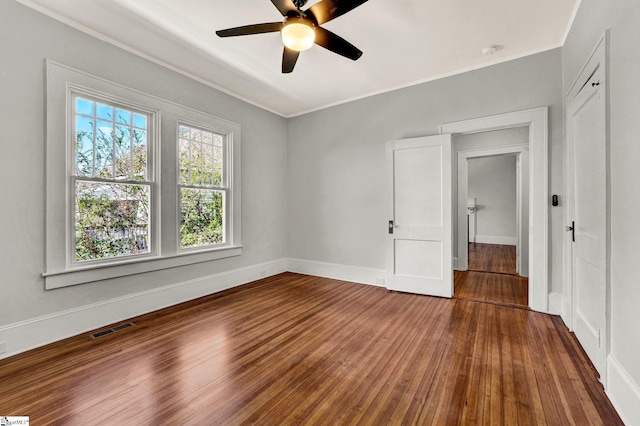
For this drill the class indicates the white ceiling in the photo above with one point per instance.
(404, 42)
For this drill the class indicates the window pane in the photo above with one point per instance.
(196, 163)
(196, 135)
(123, 116)
(84, 145)
(140, 121)
(110, 144)
(184, 162)
(201, 217)
(84, 106)
(139, 154)
(202, 163)
(104, 150)
(217, 166)
(123, 152)
(105, 112)
(111, 220)
(207, 137)
(207, 165)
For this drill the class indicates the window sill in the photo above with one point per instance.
(53, 280)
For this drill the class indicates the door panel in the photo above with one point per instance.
(419, 256)
(416, 258)
(587, 121)
(413, 200)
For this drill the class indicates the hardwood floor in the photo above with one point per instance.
(492, 287)
(492, 277)
(492, 258)
(296, 349)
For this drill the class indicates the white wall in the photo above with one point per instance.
(623, 18)
(492, 181)
(26, 39)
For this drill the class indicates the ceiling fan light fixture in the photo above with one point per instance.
(298, 35)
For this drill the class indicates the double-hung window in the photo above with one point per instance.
(134, 183)
(203, 187)
(112, 182)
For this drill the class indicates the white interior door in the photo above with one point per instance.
(418, 247)
(587, 148)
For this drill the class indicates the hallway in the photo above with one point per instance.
(492, 277)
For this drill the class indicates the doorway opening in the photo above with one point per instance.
(496, 207)
(534, 123)
(491, 287)
(492, 188)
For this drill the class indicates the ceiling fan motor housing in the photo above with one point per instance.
(299, 3)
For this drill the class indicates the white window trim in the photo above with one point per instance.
(59, 272)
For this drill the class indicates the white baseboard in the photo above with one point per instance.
(36, 332)
(623, 392)
(491, 239)
(556, 304)
(455, 263)
(336, 271)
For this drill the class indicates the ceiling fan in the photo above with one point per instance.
(301, 29)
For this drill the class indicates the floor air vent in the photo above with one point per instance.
(111, 330)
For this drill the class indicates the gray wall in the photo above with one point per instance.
(26, 39)
(336, 156)
(623, 17)
(492, 181)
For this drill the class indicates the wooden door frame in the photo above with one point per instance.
(462, 261)
(537, 120)
(597, 59)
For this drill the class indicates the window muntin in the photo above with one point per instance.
(112, 189)
(202, 187)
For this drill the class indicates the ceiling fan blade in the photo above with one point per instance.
(285, 6)
(289, 59)
(327, 10)
(270, 27)
(336, 44)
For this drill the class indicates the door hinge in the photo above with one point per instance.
(391, 227)
(572, 228)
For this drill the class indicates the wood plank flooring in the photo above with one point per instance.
(492, 258)
(491, 287)
(295, 349)
(492, 277)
